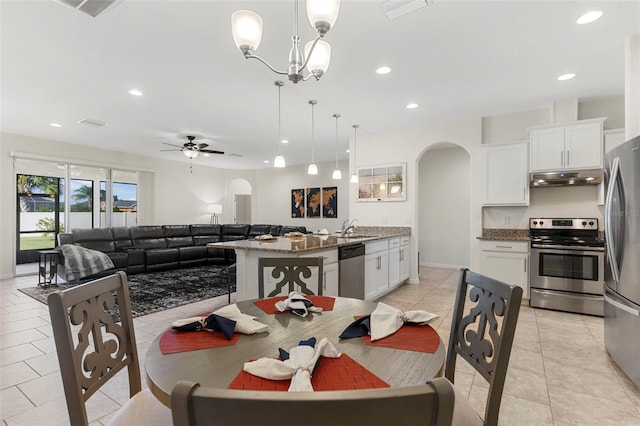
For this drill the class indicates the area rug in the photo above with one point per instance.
(157, 291)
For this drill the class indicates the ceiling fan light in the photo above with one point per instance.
(354, 178)
(312, 169)
(246, 27)
(190, 153)
(322, 14)
(318, 62)
(337, 174)
(279, 162)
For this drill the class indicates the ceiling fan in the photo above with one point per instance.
(191, 149)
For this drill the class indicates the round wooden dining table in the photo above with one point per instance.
(217, 367)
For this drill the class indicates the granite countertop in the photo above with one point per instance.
(489, 234)
(314, 242)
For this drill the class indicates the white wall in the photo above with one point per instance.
(408, 146)
(273, 195)
(444, 208)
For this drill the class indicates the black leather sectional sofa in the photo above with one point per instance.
(153, 248)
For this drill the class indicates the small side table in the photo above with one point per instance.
(48, 268)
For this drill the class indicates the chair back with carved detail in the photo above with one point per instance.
(91, 346)
(292, 273)
(428, 404)
(483, 326)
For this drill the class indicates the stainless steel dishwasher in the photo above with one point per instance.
(351, 268)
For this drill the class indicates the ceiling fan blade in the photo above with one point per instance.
(211, 151)
(173, 150)
(202, 146)
(170, 144)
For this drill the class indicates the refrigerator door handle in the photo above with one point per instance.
(621, 305)
(611, 252)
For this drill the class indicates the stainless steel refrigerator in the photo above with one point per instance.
(622, 270)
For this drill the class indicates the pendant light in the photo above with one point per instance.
(337, 174)
(279, 160)
(354, 176)
(313, 169)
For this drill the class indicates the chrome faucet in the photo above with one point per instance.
(346, 229)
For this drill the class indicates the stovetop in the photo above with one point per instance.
(568, 232)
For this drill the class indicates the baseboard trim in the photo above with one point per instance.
(443, 265)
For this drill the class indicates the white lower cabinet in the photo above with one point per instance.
(330, 280)
(506, 261)
(376, 269)
(404, 258)
(394, 261)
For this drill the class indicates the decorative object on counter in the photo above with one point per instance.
(330, 202)
(382, 183)
(296, 365)
(313, 202)
(297, 203)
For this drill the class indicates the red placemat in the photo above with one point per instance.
(418, 338)
(268, 305)
(173, 342)
(342, 373)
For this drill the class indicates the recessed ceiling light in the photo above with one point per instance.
(284, 141)
(383, 70)
(206, 154)
(589, 17)
(412, 106)
(567, 76)
(55, 125)
(347, 150)
(135, 92)
(266, 161)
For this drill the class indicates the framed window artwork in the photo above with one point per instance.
(330, 202)
(313, 202)
(297, 203)
(382, 183)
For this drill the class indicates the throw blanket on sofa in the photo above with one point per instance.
(80, 262)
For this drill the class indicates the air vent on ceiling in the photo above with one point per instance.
(88, 7)
(396, 8)
(92, 123)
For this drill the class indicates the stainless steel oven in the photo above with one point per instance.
(567, 265)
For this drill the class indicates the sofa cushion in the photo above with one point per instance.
(179, 241)
(287, 229)
(206, 229)
(203, 240)
(170, 231)
(193, 253)
(147, 237)
(99, 239)
(120, 259)
(256, 230)
(150, 243)
(234, 232)
(121, 237)
(160, 256)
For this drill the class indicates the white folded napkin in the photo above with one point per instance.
(298, 368)
(386, 320)
(245, 324)
(298, 304)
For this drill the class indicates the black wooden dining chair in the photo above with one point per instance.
(428, 404)
(292, 272)
(92, 348)
(483, 325)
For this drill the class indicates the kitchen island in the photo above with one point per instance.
(312, 245)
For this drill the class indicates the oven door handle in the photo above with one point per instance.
(608, 229)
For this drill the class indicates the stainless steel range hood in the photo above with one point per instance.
(568, 178)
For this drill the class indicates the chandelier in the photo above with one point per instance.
(246, 26)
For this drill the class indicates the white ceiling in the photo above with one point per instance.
(457, 59)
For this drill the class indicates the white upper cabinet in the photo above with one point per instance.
(569, 147)
(506, 174)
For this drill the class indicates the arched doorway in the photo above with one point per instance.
(444, 206)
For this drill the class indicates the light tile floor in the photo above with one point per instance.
(559, 373)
